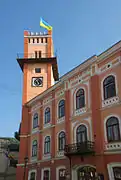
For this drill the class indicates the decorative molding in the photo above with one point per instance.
(110, 169)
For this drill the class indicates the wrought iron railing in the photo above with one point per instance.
(79, 148)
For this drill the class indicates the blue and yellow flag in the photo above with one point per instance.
(45, 24)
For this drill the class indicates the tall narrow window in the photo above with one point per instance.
(40, 54)
(61, 140)
(37, 40)
(47, 115)
(81, 134)
(47, 145)
(61, 109)
(35, 54)
(46, 175)
(29, 40)
(109, 87)
(33, 40)
(117, 173)
(113, 132)
(80, 99)
(45, 40)
(41, 40)
(32, 176)
(35, 120)
(34, 148)
(62, 174)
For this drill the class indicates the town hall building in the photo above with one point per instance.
(71, 125)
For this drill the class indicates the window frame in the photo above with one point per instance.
(47, 146)
(81, 132)
(117, 125)
(33, 148)
(35, 119)
(61, 108)
(107, 86)
(47, 115)
(80, 99)
(61, 140)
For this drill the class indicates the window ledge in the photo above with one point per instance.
(113, 146)
(80, 111)
(35, 130)
(61, 119)
(60, 153)
(46, 125)
(110, 101)
(34, 158)
(47, 156)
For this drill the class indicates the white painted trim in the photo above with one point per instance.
(110, 169)
(88, 137)
(116, 84)
(42, 172)
(57, 171)
(105, 120)
(32, 118)
(30, 171)
(36, 157)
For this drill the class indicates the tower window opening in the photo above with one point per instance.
(40, 54)
(37, 40)
(35, 54)
(37, 70)
(29, 40)
(41, 40)
(33, 40)
(45, 40)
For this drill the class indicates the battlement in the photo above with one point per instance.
(36, 34)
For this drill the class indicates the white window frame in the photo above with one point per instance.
(44, 144)
(42, 172)
(75, 97)
(58, 108)
(105, 129)
(102, 89)
(31, 171)
(35, 129)
(110, 169)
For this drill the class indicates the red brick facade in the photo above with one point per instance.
(93, 115)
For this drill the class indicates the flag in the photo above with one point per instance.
(45, 24)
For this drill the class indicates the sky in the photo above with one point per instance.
(81, 28)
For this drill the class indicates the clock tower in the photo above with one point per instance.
(38, 63)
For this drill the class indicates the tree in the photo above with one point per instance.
(17, 133)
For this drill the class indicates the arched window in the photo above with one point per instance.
(34, 148)
(47, 115)
(47, 145)
(113, 132)
(81, 134)
(61, 140)
(61, 109)
(35, 120)
(80, 99)
(109, 87)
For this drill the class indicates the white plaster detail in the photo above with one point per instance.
(59, 93)
(110, 101)
(62, 119)
(110, 169)
(80, 111)
(32, 171)
(46, 156)
(48, 125)
(47, 100)
(113, 146)
(42, 172)
(60, 153)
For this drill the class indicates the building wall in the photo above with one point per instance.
(93, 116)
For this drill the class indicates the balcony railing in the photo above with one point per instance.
(34, 56)
(82, 148)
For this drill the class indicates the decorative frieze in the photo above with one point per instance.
(80, 111)
(60, 153)
(59, 93)
(113, 146)
(62, 119)
(110, 101)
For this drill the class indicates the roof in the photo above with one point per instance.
(10, 139)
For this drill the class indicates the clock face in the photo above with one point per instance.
(37, 81)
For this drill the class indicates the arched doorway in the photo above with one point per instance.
(86, 173)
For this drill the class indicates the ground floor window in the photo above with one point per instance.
(62, 173)
(117, 173)
(32, 176)
(87, 172)
(46, 175)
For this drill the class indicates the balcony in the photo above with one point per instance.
(84, 148)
